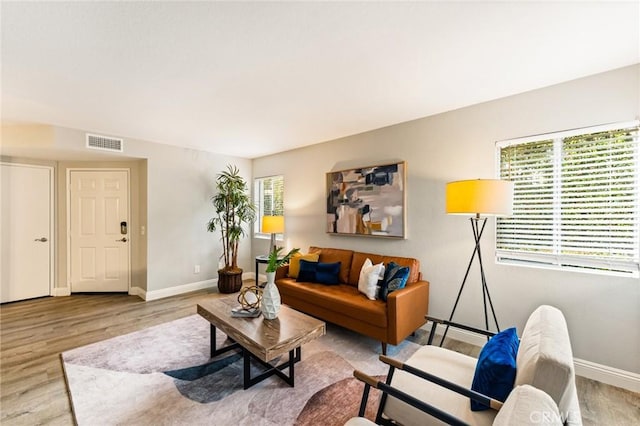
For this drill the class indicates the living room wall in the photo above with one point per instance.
(172, 187)
(602, 311)
(180, 183)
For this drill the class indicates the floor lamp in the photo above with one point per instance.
(272, 225)
(482, 198)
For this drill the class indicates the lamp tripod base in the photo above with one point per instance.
(477, 226)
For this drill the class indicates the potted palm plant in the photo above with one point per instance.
(233, 208)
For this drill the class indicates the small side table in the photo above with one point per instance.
(263, 258)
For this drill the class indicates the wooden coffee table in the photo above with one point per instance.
(261, 339)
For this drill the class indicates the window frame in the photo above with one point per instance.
(558, 260)
(258, 197)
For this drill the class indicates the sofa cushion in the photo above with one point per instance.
(294, 263)
(395, 278)
(342, 298)
(307, 272)
(496, 368)
(370, 274)
(332, 255)
(318, 272)
(327, 273)
(359, 259)
(545, 359)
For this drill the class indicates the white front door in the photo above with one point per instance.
(99, 230)
(26, 223)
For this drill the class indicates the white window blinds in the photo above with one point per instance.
(269, 195)
(576, 200)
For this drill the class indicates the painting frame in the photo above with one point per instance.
(368, 201)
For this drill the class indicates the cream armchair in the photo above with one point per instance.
(525, 406)
(434, 384)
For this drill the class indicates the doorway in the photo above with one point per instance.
(98, 230)
(26, 229)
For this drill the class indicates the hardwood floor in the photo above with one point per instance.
(33, 333)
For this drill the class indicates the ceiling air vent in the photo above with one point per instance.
(104, 143)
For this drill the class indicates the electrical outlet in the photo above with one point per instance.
(142, 230)
(196, 269)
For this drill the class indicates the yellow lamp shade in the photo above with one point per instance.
(273, 224)
(488, 197)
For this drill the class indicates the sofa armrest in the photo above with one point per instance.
(406, 310)
(282, 272)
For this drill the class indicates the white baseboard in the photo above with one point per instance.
(457, 334)
(172, 291)
(137, 291)
(591, 370)
(61, 291)
(609, 375)
(185, 288)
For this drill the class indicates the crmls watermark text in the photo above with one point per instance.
(543, 417)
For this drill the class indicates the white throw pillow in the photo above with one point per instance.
(369, 276)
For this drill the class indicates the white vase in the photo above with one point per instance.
(270, 298)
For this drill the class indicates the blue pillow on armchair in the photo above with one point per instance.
(395, 278)
(496, 367)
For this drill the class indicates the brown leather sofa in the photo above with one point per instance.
(389, 322)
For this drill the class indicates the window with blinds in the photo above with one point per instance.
(268, 198)
(576, 200)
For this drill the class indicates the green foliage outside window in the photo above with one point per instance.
(576, 200)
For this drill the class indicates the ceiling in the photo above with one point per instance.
(253, 78)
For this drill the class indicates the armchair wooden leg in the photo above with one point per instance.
(384, 348)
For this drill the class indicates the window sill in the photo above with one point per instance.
(567, 268)
(262, 236)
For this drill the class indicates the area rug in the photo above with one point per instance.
(163, 376)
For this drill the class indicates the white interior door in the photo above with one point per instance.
(99, 245)
(26, 224)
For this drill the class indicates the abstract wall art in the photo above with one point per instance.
(367, 201)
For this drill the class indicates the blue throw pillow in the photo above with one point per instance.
(327, 273)
(496, 367)
(395, 278)
(307, 271)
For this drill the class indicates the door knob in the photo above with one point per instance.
(123, 239)
(42, 240)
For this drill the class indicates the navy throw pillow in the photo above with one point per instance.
(395, 278)
(327, 273)
(496, 367)
(307, 271)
